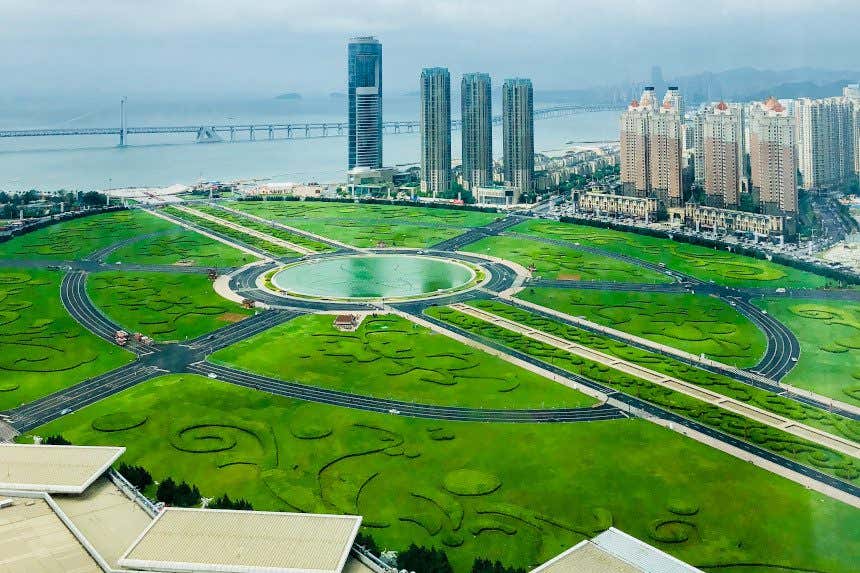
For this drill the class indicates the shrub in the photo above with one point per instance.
(367, 542)
(136, 475)
(471, 482)
(57, 440)
(423, 560)
(182, 495)
(224, 502)
(487, 566)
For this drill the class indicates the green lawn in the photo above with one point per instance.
(520, 493)
(768, 437)
(832, 423)
(182, 247)
(42, 348)
(694, 323)
(829, 336)
(164, 306)
(250, 223)
(552, 262)
(389, 214)
(75, 239)
(273, 249)
(369, 225)
(391, 357)
(706, 264)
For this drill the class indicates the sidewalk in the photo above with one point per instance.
(815, 435)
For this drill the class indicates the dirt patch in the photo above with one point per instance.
(184, 263)
(232, 317)
(569, 277)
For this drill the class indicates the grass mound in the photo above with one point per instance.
(119, 421)
(471, 482)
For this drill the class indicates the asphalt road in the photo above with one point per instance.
(660, 413)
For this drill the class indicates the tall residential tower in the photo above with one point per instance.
(477, 130)
(722, 155)
(773, 160)
(825, 141)
(518, 135)
(365, 102)
(435, 128)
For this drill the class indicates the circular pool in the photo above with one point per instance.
(373, 277)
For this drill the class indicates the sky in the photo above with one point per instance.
(167, 48)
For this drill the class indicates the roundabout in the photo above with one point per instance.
(374, 277)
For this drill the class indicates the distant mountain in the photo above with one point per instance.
(739, 84)
(290, 96)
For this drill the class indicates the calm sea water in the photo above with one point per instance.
(85, 162)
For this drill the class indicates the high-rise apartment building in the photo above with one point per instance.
(825, 141)
(364, 63)
(722, 155)
(435, 130)
(852, 92)
(477, 130)
(674, 99)
(518, 135)
(651, 148)
(773, 162)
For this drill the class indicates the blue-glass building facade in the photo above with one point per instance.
(365, 102)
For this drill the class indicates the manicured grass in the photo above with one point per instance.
(75, 239)
(552, 262)
(272, 249)
(694, 323)
(538, 488)
(788, 445)
(707, 264)
(829, 336)
(42, 348)
(162, 305)
(182, 247)
(391, 357)
(249, 223)
(389, 214)
(716, 382)
(370, 225)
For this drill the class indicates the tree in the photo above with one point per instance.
(368, 542)
(136, 475)
(487, 566)
(57, 440)
(224, 502)
(423, 560)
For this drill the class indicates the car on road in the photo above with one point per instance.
(394, 411)
(65, 411)
(213, 375)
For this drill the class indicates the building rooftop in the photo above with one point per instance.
(613, 551)
(185, 540)
(53, 469)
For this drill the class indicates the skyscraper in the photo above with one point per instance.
(651, 148)
(722, 152)
(518, 135)
(477, 130)
(773, 160)
(365, 102)
(825, 141)
(435, 128)
(852, 92)
(674, 99)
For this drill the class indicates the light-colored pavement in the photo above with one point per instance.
(672, 351)
(319, 238)
(199, 231)
(248, 231)
(815, 435)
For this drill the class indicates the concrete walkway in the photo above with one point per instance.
(815, 435)
(252, 232)
(181, 223)
(672, 351)
(308, 234)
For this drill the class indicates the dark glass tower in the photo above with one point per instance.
(435, 127)
(477, 133)
(518, 135)
(365, 102)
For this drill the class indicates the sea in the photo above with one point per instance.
(97, 162)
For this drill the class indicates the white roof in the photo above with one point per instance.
(230, 541)
(53, 469)
(614, 551)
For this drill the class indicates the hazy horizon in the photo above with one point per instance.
(161, 49)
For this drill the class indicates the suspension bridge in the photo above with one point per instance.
(211, 133)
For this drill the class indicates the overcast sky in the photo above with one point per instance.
(264, 47)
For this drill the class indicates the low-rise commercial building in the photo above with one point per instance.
(496, 195)
(705, 218)
(644, 208)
